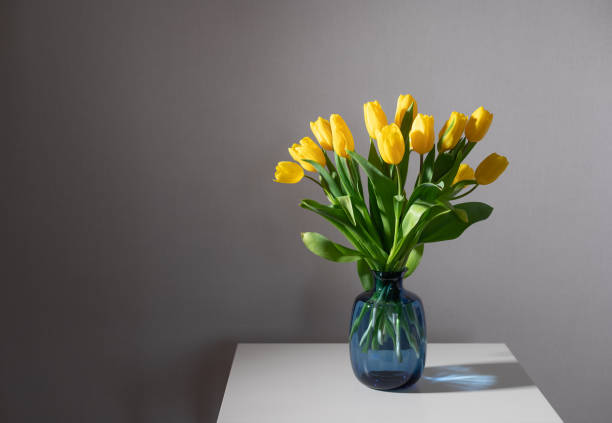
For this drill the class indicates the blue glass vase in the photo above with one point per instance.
(387, 337)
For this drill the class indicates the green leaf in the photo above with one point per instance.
(428, 166)
(403, 167)
(414, 258)
(347, 206)
(337, 217)
(323, 247)
(405, 127)
(374, 158)
(427, 192)
(365, 275)
(356, 235)
(333, 187)
(374, 210)
(381, 181)
(406, 123)
(385, 190)
(462, 184)
(412, 217)
(468, 148)
(412, 224)
(461, 214)
(452, 172)
(449, 128)
(334, 212)
(443, 164)
(354, 201)
(355, 176)
(459, 147)
(363, 218)
(343, 174)
(448, 225)
(460, 152)
(398, 205)
(329, 163)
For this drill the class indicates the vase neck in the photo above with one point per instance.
(387, 280)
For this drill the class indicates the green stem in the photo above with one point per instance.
(399, 182)
(354, 172)
(466, 148)
(395, 240)
(358, 321)
(314, 180)
(387, 318)
(398, 335)
(329, 163)
(370, 328)
(420, 169)
(370, 263)
(463, 195)
(397, 217)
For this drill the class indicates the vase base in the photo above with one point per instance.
(388, 380)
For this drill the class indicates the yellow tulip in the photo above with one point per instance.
(478, 125)
(322, 132)
(422, 134)
(288, 173)
(452, 130)
(307, 150)
(374, 116)
(391, 144)
(490, 169)
(403, 103)
(341, 136)
(465, 173)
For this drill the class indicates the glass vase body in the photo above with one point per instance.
(387, 339)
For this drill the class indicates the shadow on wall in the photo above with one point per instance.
(211, 378)
(471, 377)
(188, 390)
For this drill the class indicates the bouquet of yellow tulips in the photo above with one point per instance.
(386, 224)
(389, 226)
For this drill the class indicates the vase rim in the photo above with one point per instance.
(388, 275)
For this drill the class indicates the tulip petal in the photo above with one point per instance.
(288, 173)
(490, 169)
(422, 134)
(403, 103)
(478, 125)
(341, 136)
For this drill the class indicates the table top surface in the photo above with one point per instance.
(315, 383)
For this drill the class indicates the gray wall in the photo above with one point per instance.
(145, 236)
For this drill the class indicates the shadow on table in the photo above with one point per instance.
(470, 377)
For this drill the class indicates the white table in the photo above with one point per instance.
(311, 383)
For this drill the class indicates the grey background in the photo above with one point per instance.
(145, 236)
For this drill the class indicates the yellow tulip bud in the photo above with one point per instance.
(374, 116)
(391, 144)
(341, 136)
(322, 132)
(478, 125)
(288, 173)
(403, 103)
(465, 173)
(307, 150)
(490, 169)
(452, 130)
(422, 134)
